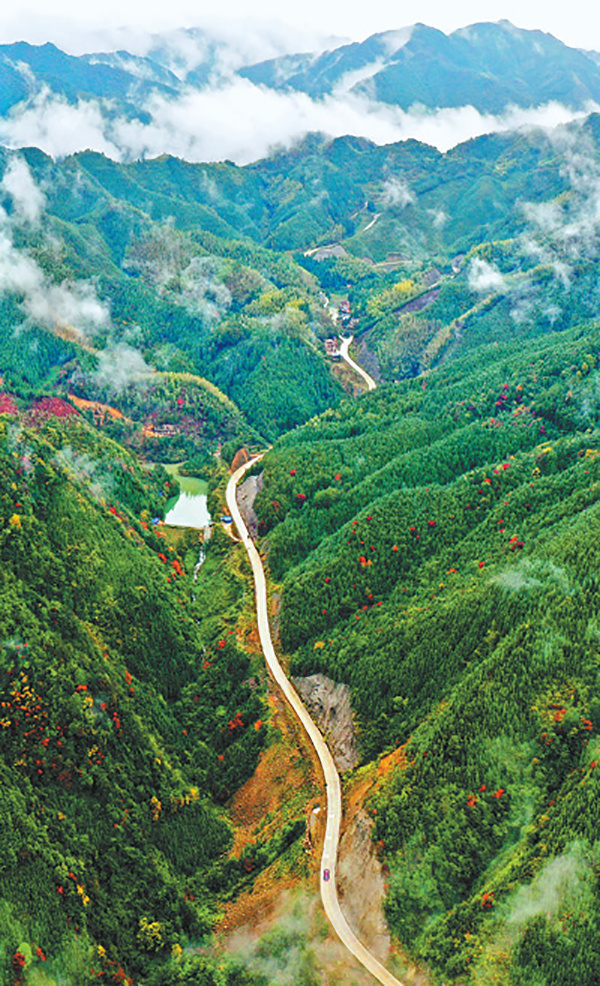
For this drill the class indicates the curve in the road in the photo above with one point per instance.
(344, 347)
(329, 894)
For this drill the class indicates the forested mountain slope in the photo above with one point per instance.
(100, 293)
(175, 267)
(116, 753)
(437, 550)
(425, 203)
(27, 71)
(434, 540)
(489, 66)
(172, 267)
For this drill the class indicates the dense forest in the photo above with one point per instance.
(99, 296)
(126, 722)
(435, 543)
(222, 272)
(431, 544)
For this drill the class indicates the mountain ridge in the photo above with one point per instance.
(492, 67)
(435, 70)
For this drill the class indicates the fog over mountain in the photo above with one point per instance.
(211, 241)
(209, 96)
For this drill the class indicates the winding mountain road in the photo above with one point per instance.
(344, 347)
(329, 894)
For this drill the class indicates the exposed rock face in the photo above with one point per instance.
(246, 495)
(329, 705)
(361, 886)
(240, 458)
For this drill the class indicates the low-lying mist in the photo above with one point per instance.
(242, 122)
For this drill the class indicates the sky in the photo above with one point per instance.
(74, 24)
(233, 119)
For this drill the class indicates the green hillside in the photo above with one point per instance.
(436, 546)
(431, 544)
(116, 694)
(183, 265)
(128, 286)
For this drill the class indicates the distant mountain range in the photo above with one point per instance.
(27, 70)
(489, 66)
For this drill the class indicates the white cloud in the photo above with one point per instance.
(73, 304)
(70, 304)
(58, 127)
(562, 231)
(561, 878)
(18, 272)
(85, 470)
(396, 194)
(28, 199)
(120, 366)
(356, 76)
(231, 45)
(485, 278)
(202, 292)
(243, 122)
(393, 41)
(546, 216)
(438, 217)
(248, 40)
(159, 257)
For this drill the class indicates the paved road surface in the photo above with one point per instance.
(332, 781)
(344, 347)
(371, 224)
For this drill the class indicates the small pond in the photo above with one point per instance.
(189, 509)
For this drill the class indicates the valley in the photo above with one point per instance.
(373, 367)
(333, 796)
